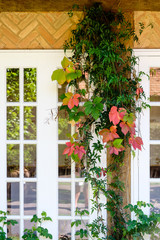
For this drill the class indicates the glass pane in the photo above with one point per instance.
(12, 84)
(64, 199)
(62, 89)
(13, 231)
(12, 160)
(29, 160)
(64, 229)
(154, 84)
(155, 197)
(79, 170)
(30, 91)
(155, 123)
(81, 195)
(13, 202)
(28, 224)
(63, 126)
(29, 123)
(155, 161)
(12, 123)
(30, 198)
(64, 162)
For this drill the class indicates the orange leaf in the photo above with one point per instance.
(109, 135)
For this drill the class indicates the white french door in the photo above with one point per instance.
(34, 175)
(146, 166)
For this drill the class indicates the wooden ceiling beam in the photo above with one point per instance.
(66, 5)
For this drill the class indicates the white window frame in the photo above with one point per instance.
(47, 136)
(141, 164)
(46, 61)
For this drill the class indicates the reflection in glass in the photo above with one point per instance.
(29, 123)
(30, 77)
(29, 160)
(83, 226)
(28, 225)
(13, 231)
(12, 123)
(12, 76)
(64, 229)
(63, 126)
(61, 90)
(12, 160)
(64, 198)
(79, 170)
(155, 197)
(154, 84)
(155, 123)
(155, 161)
(13, 202)
(64, 162)
(81, 195)
(30, 198)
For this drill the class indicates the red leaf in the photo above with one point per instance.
(136, 142)
(114, 115)
(139, 90)
(124, 128)
(115, 150)
(71, 100)
(74, 101)
(70, 148)
(122, 112)
(102, 172)
(132, 128)
(109, 135)
(80, 151)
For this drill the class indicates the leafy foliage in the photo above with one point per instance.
(5, 222)
(109, 93)
(35, 233)
(37, 230)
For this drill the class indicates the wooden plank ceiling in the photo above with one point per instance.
(66, 5)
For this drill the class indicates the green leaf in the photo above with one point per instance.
(65, 62)
(81, 233)
(99, 106)
(72, 224)
(97, 100)
(133, 154)
(73, 75)
(117, 143)
(75, 157)
(59, 75)
(95, 114)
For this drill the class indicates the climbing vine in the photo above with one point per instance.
(103, 92)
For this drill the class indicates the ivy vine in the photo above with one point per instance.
(103, 102)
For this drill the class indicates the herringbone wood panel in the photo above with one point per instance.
(35, 30)
(150, 37)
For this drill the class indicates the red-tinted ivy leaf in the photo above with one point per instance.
(114, 115)
(115, 150)
(122, 112)
(116, 147)
(71, 100)
(139, 90)
(109, 135)
(80, 151)
(70, 148)
(124, 128)
(136, 142)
